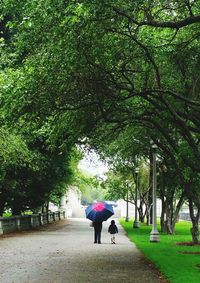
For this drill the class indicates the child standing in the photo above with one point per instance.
(113, 230)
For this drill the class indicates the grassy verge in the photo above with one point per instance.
(179, 264)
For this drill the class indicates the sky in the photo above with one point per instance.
(92, 164)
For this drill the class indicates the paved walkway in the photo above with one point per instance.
(64, 252)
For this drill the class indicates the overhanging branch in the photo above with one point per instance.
(166, 24)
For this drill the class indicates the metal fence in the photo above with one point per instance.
(184, 216)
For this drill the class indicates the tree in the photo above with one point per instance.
(15, 156)
(114, 64)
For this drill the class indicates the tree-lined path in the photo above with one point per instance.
(64, 252)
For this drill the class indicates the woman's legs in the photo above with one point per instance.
(97, 232)
(99, 237)
(95, 235)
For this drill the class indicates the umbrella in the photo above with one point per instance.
(99, 211)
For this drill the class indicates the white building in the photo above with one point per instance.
(71, 202)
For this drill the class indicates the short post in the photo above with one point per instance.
(154, 236)
(59, 215)
(1, 227)
(48, 217)
(136, 222)
(18, 222)
(54, 218)
(40, 219)
(31, 219)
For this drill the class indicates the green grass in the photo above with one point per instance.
(166, 255)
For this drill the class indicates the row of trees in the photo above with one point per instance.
(37, 158)
(144, 63)
(118, 72)
(122, 179)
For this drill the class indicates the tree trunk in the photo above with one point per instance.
(149, 214)
(140, 211)
(169, 214)
(177, 210)
(168, 221)
(141, 217)
(163, 213)
(2, 203)
(195, 231)
(195, 221)
(47, 206)
(43, 208)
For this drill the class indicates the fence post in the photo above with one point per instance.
(40, 219)
(54, 218)
(17, 221)
(31, 221)
(1, 227)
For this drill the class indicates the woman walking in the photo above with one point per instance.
(97, 232)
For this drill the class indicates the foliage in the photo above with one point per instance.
(115, 187)
(118, 72)
(92, 193)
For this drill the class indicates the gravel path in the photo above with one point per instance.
(64, 252)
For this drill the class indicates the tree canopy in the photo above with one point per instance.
(120, 73)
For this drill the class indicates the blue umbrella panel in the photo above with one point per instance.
(98, 212)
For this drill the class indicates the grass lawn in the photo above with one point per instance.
(169, 258)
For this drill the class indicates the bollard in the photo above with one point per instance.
(1, 227)
(54, 218)
(17, 221)
(40, 219)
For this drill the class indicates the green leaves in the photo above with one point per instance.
(13, 149)
(118, 72)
